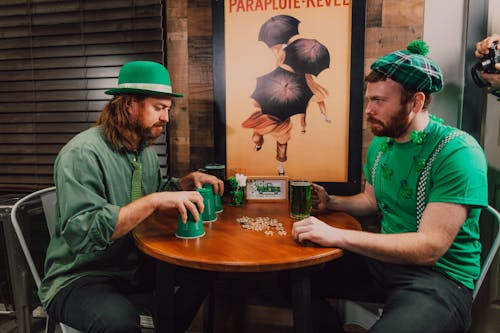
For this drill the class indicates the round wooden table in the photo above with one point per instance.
(227, 247)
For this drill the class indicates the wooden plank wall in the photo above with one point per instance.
(391, 24)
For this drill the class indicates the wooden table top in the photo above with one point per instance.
(227, 247)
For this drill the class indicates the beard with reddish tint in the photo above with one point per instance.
(395, 127)
(155, 131)
(149, 134)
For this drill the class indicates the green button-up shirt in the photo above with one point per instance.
(93, 180)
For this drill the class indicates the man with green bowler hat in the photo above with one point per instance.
(108, 181)
(428, 182)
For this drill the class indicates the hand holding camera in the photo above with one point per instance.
(486, 73)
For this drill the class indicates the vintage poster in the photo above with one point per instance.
(287, 81)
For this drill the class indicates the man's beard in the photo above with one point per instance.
(146, 134)
(395, 127)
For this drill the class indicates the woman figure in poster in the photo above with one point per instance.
(288, 89)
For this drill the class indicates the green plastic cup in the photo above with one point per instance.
(208, 200)
(191, 229)
(218, 203)
(217, 198)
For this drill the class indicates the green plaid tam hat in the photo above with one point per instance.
(411, 68)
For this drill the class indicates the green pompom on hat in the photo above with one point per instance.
(411, 68)
(144, 78)
(418, 47)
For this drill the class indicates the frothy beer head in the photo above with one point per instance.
(300, 183)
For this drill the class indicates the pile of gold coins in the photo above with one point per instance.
(266, 224)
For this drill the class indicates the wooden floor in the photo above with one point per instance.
(249, 305)
(251, 318)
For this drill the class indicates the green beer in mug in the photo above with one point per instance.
(300, 199)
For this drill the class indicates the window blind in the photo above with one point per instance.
(56, 60)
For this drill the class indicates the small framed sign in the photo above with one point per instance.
(264, 188)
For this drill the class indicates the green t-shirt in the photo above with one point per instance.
(93, 180)
(458, 175)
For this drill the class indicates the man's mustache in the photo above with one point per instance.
(374, 121)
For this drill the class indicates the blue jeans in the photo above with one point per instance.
(102, 304)
(416, 298)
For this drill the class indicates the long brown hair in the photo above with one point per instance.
(119, 130)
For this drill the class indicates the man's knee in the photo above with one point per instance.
(117, 320)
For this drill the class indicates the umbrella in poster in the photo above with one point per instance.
(282, 93)
(278, 30)
(307, 56)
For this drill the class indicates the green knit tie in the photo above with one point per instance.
(135, 192)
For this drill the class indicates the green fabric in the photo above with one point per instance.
(135, 191)
(458, 175)
(93, 181)
(413, 71)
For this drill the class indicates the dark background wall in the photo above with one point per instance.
(58, 57)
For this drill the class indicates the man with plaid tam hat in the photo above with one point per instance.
(427, 182)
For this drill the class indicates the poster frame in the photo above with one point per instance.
(358, 20)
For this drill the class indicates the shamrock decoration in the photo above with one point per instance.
(383, 147)
(405, 191)
(237, 184)
(387, 171)
(417, 137)
(419, 163)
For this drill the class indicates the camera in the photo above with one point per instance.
(486, 65)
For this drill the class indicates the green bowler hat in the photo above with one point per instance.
(145, 78)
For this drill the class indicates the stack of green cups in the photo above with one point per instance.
(207, 192)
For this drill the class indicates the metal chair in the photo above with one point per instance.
(366, 314)
(42, 201)
(491, 253)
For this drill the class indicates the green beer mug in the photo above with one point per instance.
(300, 199)
(217, 170)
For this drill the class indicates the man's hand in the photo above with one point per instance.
(493, 79)
(196, 180)
(316, 231)
(482, 48)
(319, 198)
(139, 210)
(183, 201)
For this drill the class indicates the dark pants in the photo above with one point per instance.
(416, 298)
(104, 304)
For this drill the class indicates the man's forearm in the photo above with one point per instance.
(359, 204)
(132, 214)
